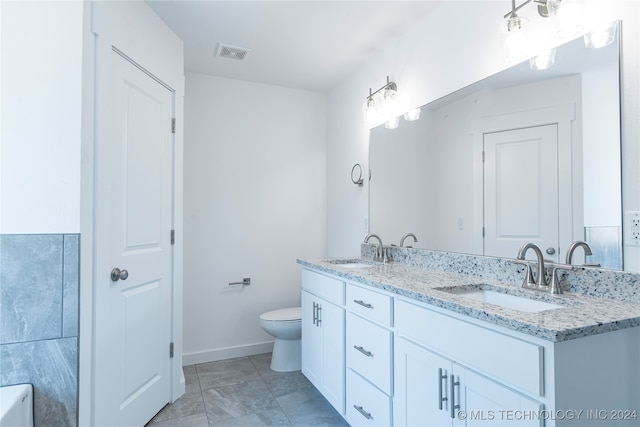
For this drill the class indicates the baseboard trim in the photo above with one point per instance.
(226, 353)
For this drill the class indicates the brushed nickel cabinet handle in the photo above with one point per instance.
(441, 378)
(362, 303)
(364, 413)
(363, 351)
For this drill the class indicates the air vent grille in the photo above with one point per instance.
(232, 52)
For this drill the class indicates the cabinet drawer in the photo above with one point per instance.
(366, 405)
(328, 288)
(369, 348)
(374, 305)
(507, 359)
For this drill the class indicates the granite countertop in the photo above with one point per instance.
(580, 315)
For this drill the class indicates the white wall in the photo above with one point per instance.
(455, 46)
(254, 202)
(40, 120)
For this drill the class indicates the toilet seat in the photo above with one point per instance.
(292, 314)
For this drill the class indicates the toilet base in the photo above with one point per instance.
(286, 356)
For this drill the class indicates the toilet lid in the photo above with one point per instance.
(294, 313)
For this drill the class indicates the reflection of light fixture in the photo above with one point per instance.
(412, 115)
(392, 123)
(601, 37)
(380, 106)
(543, 60)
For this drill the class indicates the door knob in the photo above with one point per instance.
(551, 251)
(117, 274)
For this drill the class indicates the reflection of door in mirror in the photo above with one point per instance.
(521, 191)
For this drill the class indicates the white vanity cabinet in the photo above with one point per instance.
(369, 357)
(499, 377)
(431, 390)
(323, 326)
(385, 359)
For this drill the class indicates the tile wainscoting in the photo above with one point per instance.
(39, 283)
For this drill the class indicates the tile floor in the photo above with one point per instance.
(246, 392)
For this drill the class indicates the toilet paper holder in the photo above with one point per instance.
(245, 282)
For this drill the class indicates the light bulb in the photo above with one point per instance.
(568, 19)
(369, 111)
(513, 39)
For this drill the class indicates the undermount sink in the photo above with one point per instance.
(491, 295)
(350, 263)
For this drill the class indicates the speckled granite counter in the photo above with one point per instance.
(581, 315)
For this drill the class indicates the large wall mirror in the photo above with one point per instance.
(522, 156)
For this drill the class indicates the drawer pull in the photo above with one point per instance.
(441, 377)
(318, 316)
(454, 383)
(362, 303)
(363, 351)
(364, 413)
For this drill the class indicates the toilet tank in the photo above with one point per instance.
(16, 406)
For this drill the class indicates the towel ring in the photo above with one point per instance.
(356, 174)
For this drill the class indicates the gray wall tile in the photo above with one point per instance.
(39, 284)
(30, 287)
(70, 280)
(51, 366)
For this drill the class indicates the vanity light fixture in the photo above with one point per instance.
(567, 19)
(380, 106)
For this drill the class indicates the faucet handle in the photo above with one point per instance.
(529, 281)
(554, 286)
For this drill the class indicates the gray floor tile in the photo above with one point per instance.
(309, 408)
(237, 400)
(197, 420)
(226, 372)
(187, 405)
(262, 362)
(246, 392)
(281, 384)
(270, 417)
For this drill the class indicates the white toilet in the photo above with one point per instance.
(285, 325)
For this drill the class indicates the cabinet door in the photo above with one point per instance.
(312, 346)
(421, 394)
(323, 348)
(332, 325)
(487, 403)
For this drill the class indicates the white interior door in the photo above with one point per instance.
(521, 191)
(133, 226)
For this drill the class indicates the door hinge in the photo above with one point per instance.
(483, 156)
(173, 125)
(171, 350)
(482, 231)
(173, 237)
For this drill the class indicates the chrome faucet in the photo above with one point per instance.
(574, 246)
(541, 280)
(380, 255)
(415, 239)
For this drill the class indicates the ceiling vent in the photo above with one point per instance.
(232, 52)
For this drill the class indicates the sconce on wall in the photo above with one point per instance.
(536, 39)
(380, 107)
